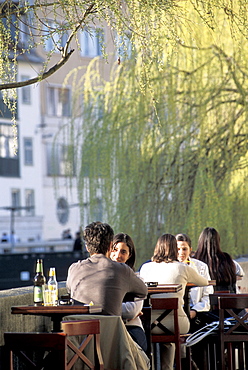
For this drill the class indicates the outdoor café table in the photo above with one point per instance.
(56, 313)
(174, 288)
(118, 349)
(164, 288)
(154, 289)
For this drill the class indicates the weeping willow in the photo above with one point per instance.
(165, 149)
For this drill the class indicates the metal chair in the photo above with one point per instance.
(54, 347)
(236, 336)
(168, 305)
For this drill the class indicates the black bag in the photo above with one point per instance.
(202, 319)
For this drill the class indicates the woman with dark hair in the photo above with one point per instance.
(221, 266)
(166, 269)
(199, 296)
(124, 252)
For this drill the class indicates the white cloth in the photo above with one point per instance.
(239, 270)
(199, 296)
(130, 310)
(239, 273)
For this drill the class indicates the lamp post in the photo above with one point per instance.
(12, 210)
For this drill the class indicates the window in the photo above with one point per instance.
(91, 41)
(28, 151)
(16, 200)
(54, 40)
(26, 91)
(58, 102)
(29, 202)
(62, 210)
(58, 162)
(9, 159)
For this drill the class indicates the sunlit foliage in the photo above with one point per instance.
(163, 142)
(168, 155)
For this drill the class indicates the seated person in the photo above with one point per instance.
(199, 296)
(221, 266)
(100, 280)
(124, 252)
(166, 269)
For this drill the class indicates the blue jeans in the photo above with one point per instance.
(138, 335)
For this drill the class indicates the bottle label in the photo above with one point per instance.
(38, 294)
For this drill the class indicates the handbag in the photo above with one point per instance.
(207, 330)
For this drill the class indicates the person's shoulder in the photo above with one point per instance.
(78, 264)
(198, 262)
(121, 266)
(147, 265)
(239, 270)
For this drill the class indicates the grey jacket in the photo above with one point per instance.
(103, 281)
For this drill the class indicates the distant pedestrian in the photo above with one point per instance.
(5, 238)
(66, 234)
(78, 242)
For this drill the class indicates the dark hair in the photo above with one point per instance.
(125, 238)
(97, 237)
(184, 238)
(165, 249)
(220, 264)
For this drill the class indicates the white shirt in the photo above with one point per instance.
(199, 296)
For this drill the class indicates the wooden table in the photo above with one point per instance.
(174, 288)
(56, 312)
(210, 282)
(164, 288)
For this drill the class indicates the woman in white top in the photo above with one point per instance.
(199, 296)
(166, 269)
(124, 252)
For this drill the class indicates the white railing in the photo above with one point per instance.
(38, 246)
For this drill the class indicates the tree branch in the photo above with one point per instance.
(65, 56)
(42, 76)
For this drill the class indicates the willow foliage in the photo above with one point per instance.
(164, 149)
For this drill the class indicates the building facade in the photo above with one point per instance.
(39, 201)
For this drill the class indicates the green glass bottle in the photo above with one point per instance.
(39, 284)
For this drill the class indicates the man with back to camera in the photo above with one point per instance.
(100, 280)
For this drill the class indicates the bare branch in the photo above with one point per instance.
(65, 56)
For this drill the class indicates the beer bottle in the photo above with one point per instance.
(39, 284)
(52, 286)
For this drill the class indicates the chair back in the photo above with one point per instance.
(236, 333)
(81, 327)
(213, 298)
(167, 305)
(27, 346)
(90, 330)
(231, 305)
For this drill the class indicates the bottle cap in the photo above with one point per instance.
(52, 271)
